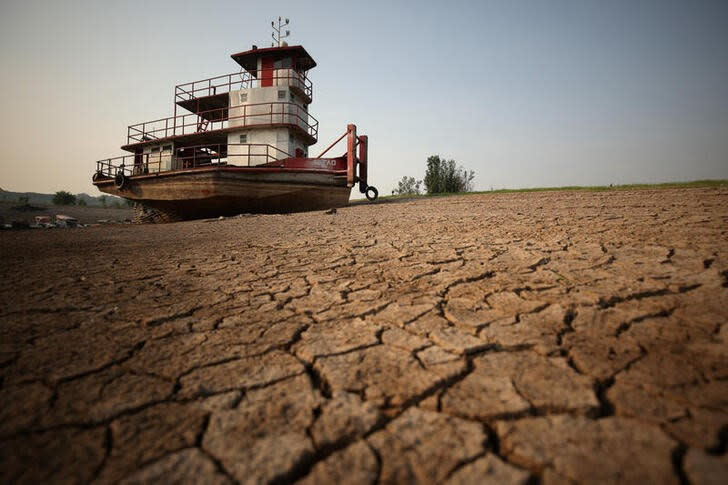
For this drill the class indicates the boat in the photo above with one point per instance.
(238, 143)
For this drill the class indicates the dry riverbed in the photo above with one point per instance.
(564, 336)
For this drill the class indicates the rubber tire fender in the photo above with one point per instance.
(120, 180)
(374, 191)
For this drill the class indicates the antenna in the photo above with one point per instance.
(276, 34)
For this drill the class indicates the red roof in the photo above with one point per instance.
(249, 59)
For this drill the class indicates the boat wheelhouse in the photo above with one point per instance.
(237, 143)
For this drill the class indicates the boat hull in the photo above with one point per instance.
(224, 191)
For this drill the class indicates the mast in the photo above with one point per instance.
(276, 35)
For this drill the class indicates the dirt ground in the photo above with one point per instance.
(85, 215)
(553, 337)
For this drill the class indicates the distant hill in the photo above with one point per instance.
(35, 198)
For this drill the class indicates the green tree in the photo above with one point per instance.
(23, 199)
(82, 202)
(408, 186)
(445, 176)
(103, 200)
(64, 198)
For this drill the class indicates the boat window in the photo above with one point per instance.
(285, 63)
(244, 138)
(155, 149)
(281, 95)
(167, 148)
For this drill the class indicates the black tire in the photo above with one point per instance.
(120, 180)
(373, 190)
(97, 176)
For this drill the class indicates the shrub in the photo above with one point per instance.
(443, 176)
(64, 198)
(408, 186)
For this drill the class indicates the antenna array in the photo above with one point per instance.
(277, 34)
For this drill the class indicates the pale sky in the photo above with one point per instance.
(525, 93)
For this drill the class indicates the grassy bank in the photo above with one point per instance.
(592, 188)
(597, 188)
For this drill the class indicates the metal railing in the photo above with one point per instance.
(243, 80)
(185, 158)
(109, 167)
(259, 114)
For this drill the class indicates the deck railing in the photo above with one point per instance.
(185, 158)
(247, 115)
(243, 80)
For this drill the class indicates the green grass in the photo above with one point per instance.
(594, 188)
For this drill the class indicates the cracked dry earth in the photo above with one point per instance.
(555, 337)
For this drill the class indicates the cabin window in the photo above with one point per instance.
(243, 97)
(244, 138)
(281, 95)
(155, 149)
(283, 63)
(167, 148)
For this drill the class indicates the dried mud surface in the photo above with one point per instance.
(554, 337)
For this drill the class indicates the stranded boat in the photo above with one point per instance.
(242, 146)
